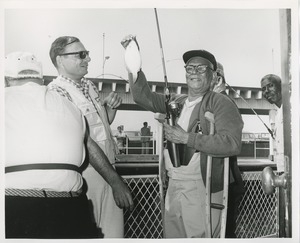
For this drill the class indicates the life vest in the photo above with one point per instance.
(95, 115)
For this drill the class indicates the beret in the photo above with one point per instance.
(20, 65)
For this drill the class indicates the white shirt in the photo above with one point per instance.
(192, 170)
(42, 127)
(278, 145)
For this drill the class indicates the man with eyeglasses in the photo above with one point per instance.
(185, 197)
(71, 59)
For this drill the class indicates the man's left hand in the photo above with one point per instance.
(122, 196)
(113, 100)
(175, 134)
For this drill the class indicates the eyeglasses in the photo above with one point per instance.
(199, 69)
(82, 54)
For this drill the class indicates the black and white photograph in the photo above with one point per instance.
(150, 120)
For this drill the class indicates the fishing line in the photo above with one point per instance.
(269, 130)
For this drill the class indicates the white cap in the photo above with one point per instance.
(22, 65)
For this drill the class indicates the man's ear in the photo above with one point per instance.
(58, 61)
(219, 80)
(215, 78)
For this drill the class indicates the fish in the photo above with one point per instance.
(132, 56)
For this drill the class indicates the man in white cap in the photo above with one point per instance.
(185, 198)
(45, 137)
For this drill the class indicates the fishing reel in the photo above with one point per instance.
(174, 109)
(173, 112)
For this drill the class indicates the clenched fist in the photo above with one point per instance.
(113, 100)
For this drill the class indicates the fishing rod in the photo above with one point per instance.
(269, 130)
(169, 116)
(167, 92)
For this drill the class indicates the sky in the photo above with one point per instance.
(245, 40)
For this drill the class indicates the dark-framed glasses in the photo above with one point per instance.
(81, 54)
(198, 69)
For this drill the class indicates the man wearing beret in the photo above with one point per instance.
(46, 141)
(185, 198)
(44, 149)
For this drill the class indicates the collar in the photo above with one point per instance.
(83, 86)
(71, 81)
(192, 103)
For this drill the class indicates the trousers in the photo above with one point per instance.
(107, 215)
(48, 218)
(185, 210)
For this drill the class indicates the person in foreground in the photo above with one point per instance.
(71, 59)
(44, 150)
(185, 197)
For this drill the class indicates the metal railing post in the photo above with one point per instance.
(254, 147)
(127, 145)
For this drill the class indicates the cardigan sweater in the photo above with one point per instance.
(226, 141)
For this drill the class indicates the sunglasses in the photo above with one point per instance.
(198, 69)
(81, 54)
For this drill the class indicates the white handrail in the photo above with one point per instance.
(138, 138)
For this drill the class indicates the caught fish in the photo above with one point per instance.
(132, 56)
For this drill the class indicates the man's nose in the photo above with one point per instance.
(194, 71)
(266, 89)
